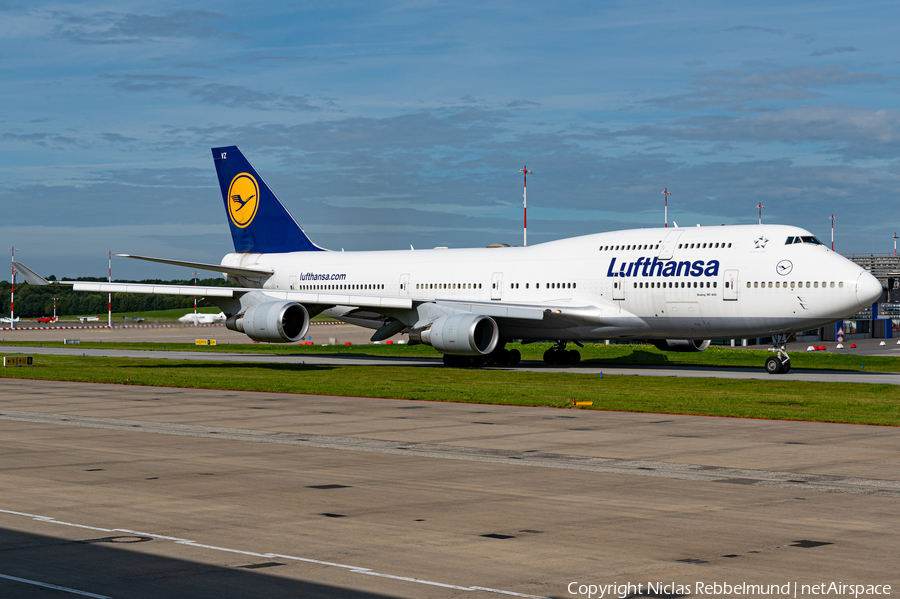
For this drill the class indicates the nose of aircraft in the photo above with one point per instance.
(868, 289)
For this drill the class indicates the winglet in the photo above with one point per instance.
(31, 277)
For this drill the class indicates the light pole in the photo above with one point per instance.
(525, 172)
(12, 292)
(832, 232)
(109, 321)
(895, 245)
(760, 206)
(195, 298)
(666, 193)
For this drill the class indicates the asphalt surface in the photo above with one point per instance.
(112, 491)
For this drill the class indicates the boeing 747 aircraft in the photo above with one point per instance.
(676, 287)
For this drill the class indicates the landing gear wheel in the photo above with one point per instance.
(774, 365)
(450, 360)
(785, 367)
(550, 357)
(573, 357)
(514, 357)
(478, 361)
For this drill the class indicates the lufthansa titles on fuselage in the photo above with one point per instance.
(643, 267)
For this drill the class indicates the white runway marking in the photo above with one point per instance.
(188, 542)
(54, 587)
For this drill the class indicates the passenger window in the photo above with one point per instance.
(770, 284)
(832, 284)
(574, 285)
(679, 246)
(841, 284)
(635, 285)
(716, 284)
(729, 245)
(526, 285)
(755, 284)
(807, 284)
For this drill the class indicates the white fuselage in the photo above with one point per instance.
(698, 283)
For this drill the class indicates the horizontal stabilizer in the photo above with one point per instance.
(232, 270)
(31, 277)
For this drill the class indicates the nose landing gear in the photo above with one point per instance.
(780, 363)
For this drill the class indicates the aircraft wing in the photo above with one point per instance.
(301, 297)
(31, 277)
(232, 270)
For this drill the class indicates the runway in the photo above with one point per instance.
(796, 374)
(116, 491)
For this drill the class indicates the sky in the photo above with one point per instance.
(382, 125)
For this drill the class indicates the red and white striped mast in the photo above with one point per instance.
(12, 294)
(525, 172)
(195, 299)
(666, 193)
(832, 233)
(760, 206)
(895, 245)
(109, 255)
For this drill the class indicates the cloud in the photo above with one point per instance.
(233, 96)
(835, 50)
(150, 82)
(742, 89)
(44, 140)
(128, 28)
(238, 96)
(847, 132)
(753, 29)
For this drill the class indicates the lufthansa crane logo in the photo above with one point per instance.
(243, 199)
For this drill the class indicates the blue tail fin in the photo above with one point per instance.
(259, 222)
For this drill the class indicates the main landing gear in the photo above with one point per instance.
(559, 356)
(780, 363)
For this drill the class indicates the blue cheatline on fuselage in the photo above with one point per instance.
(643, 267)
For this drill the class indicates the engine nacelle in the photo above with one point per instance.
(460, 334)
(275, 322)
(681, 345)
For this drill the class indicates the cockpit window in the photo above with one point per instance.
(805, 239)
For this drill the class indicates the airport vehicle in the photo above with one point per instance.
(677, 287)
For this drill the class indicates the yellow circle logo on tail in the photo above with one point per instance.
(243, 199)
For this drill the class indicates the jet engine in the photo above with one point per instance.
(460, 334)
(682, 345)
(275, 322)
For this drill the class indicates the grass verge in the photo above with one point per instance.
(775, 400)
(595, 354)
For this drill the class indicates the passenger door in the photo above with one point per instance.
(730, 293)
(619, 288)
(404, 284)
(496, 285)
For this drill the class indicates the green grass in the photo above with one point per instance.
(592, 354)
(768, 399)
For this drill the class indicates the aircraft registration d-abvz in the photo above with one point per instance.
(676, 287)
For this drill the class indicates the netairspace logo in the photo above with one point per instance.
(790, 589)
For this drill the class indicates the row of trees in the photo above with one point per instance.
(35, 301)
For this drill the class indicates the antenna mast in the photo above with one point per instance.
(525, 172)
(666, 193)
